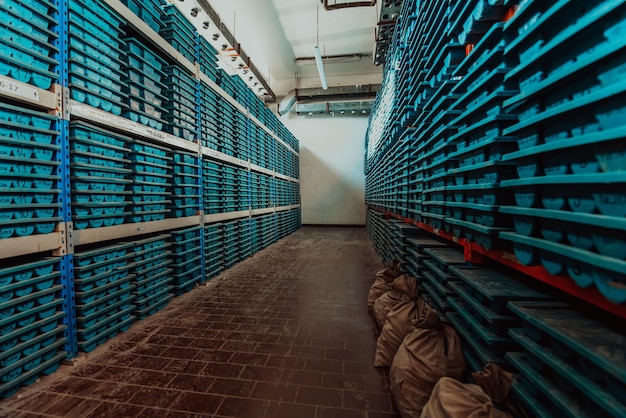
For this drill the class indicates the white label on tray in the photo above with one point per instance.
(17, 89)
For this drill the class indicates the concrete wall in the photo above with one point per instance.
(331, 168)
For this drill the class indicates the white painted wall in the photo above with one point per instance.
(332, 182)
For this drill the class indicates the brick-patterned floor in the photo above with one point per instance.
(285, 334)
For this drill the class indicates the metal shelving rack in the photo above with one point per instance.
(405, 140)
(56, 101)
(515, 169)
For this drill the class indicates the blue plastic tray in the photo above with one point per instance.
(555, 361)
(25, 67)
(543, 395)
(576, 336)
(497, 344)
(89, 92)
(101, 331)
(80, 37)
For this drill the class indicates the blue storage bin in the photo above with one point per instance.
(143, 118)
(80, 48)
(148, 83)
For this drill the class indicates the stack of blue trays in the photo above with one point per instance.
(227, 83)
(186, 259)
(27, 51)
(569, 190)
(280, 225)
(227, 138)
(255, 142)
(96, 56)
(230, 190)
(99, 176)
(266, 150)
(31, 322)
(260, 190)
(432, 148)
(285, 224)
(209, 118)
(256, 240)
(208, 59)
(480, 144)
(256, 106)
(145, 87)
(262, 199)
(104, 299)
(285, 193)
(240, 131)
(292, 141)
(273, 191)
(480, 312)
(149, 11)
(28, 172)
(153, 274)
(151, 182)
(245, 239)
(255, 190)
(242, 91)
(180, 104)
(415, 258)
(474, 18)
(438, 277)
(294, 221)
(179, 32)
(212, 186)
(269, 227)
(294, 197)
(400, 233)
(186, 189)
(213, 250)
(230, 231)
(407, 71)
(572, 361)
(243, 189)
(271, 120)
(294, 167)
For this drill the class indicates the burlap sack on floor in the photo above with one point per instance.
(400, 322)
(430, 352)
(382, 283)
(453, 399)
(403, 289)
(495, 382)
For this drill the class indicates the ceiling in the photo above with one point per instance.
(278, 34)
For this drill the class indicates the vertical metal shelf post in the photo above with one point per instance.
(198, 98)
(65, 199)
(275, 191)
(249, 140)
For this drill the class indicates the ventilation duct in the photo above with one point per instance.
(336, 5)
(338, 94)
(345, 108)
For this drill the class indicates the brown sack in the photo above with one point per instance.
(403, 289)
(382, 283)
(430, 352)
(453, 399)
(400, 322)
(495, 382)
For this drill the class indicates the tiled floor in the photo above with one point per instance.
(283, 334)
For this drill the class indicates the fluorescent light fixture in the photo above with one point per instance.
(320, 66)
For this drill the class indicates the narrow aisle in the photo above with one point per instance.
(285, 334)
